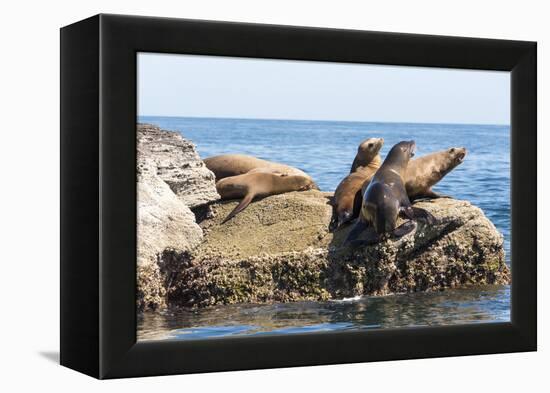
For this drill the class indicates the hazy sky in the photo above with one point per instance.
(212, 86)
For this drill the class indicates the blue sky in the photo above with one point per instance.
(213, 86)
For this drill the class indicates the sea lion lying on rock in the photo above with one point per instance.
(347, 197)
(259, 184)
(385, 198)
(227, 165)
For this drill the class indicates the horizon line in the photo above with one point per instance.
(324, 120)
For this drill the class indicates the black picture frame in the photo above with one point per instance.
(98, 195)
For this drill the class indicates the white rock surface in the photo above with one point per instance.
(178, 164)
(171, 178)
(164, 221)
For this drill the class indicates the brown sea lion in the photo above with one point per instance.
(385, 198)
(364, 153)
(347, 197)
(259, 184)
(424, 172)
(227, 165)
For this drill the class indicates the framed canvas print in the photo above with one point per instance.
(239, 196)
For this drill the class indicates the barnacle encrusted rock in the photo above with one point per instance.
(280, 249)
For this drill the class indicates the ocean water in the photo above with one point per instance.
(325, 150)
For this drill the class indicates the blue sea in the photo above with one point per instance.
(325, 150)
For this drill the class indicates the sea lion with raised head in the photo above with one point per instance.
(364, 153)
(227, 165)
(424, 172)
(386, 198)
(347, 197)
(259, 184)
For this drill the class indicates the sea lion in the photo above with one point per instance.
(364, 153)
(347, 197)
(385, 198)
(227, 165)
(424, 172)
(259, 184)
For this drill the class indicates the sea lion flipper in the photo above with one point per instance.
(371, 236)
(404, 229)
(240, 207)
(417, 213)
(356, 231)
(424, 215)
(407, 212)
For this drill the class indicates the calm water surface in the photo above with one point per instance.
(325, 150)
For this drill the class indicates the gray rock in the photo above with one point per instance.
(171, 178)
(177, 163)
(164, 222)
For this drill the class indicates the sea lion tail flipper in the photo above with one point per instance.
(240, 207)
(404, 229)
(423, 215)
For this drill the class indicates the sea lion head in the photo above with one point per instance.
(457, 155)
(454, 156)
(369, 148)
(401, 153)
(303, 183)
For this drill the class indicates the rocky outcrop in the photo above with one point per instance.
(280, 248)
(177, 163)
(165, 221)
